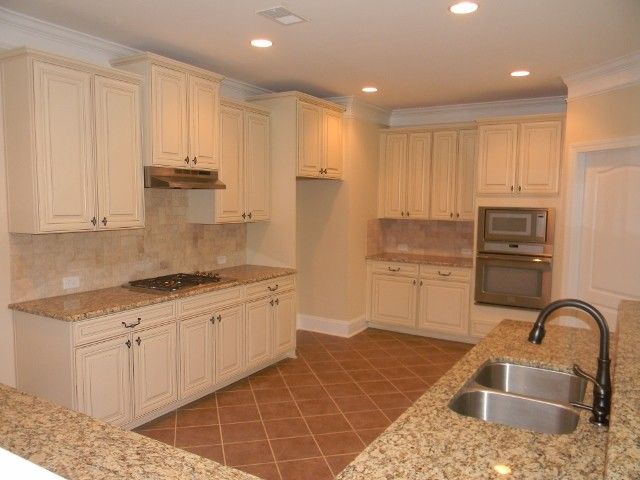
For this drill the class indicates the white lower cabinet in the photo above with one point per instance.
(129, 367)
(197, 344)
(103, 380)
(419, 299)
(229, 342)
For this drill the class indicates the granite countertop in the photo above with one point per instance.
(76, 446)
(430, 441)
(95, 303)
(437, 260)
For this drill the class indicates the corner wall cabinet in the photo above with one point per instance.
(130, 367)
(428, 174)
(245, 169)
(316, 132)
(520, 156)
(181, 109)
(419, 299)
(73, 145)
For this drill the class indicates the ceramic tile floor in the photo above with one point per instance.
(307, 418)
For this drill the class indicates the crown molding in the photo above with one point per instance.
(19, 30)
(356, 108)
(471, 112)
(617, 73)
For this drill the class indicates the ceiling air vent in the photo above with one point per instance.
(282, 15)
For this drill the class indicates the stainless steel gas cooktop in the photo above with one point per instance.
(176, 281)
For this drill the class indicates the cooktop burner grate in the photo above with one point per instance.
(176, 281)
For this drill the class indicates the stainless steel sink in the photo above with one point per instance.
(516, 411)
(532, 382)
(522, 396)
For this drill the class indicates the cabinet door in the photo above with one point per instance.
(395, 171)
(465, 174)
(196, 354)
(257, 166)
(284, 323)
(154, 367)
(118, 154)
(445, 146)
(419, 175)
(539, 157)
(332, 151)
(230, 201)
(394, 299)
(103, 380)
(229, 342)
(203, 123)
(259, 331)
(169, 112)
(497, 158)
(444, 307)
(309, 140)
(64, 148)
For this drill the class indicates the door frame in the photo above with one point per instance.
(573, 206)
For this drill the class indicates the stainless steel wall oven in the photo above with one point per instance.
(514, 256)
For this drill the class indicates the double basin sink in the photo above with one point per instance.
(522, 396)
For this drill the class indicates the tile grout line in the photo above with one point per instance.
(264, 428)
(224, 455)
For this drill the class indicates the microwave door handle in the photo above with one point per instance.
(514, 258)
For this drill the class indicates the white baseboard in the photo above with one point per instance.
(331, 326)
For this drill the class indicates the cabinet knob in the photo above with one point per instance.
(250, 214)
(451, 215)
(271, 302)
(458, 215)
(408, 213)
(519, 188)
(277, 301)
(402, 213)
(104, 221)
(128, 343)
(213, 319)
(219, 317)
(415, 282)
(244, 215)
(94, 221)
(186, 160)
(512, 188)
(195, 160)
(138, 341)
(421, 283)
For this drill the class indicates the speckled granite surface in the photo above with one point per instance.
(423, 259)
(429, 441)
(623, 454)
(80, 306)
(78, 447)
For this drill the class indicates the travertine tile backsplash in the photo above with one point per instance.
(424, 237)
(168, 244)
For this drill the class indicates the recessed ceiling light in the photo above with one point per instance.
(462, 8)
(369, 89)
(520, 73)
(261, 43)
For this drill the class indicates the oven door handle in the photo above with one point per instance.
(514, 258)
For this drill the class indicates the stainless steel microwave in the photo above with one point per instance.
(512, 224)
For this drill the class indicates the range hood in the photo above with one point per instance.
(183, 178)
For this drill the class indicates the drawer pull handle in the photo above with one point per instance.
(132, 324)
(448, 274)
(138, 341)
(391, 269)
(272, 289)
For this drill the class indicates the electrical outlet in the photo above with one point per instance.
(70, 282)
(403, 247)
(221, 259)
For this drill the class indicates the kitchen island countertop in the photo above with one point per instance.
(436, 260)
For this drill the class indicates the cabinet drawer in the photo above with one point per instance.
(123, 322)
(268, 287)
(208, 301)
(457, 274)
(396, 267)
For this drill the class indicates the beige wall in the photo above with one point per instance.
(332, 221)
(168, 244)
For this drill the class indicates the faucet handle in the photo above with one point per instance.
(581, 373)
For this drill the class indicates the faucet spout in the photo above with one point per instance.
(602, 380)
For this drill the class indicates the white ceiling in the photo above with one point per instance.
(414, 51)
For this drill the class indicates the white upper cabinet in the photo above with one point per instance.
(118, 154)
(245, 169)
(181, 109)
(74, 161)
(522, 157)
(428, 174)
(332, 144)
